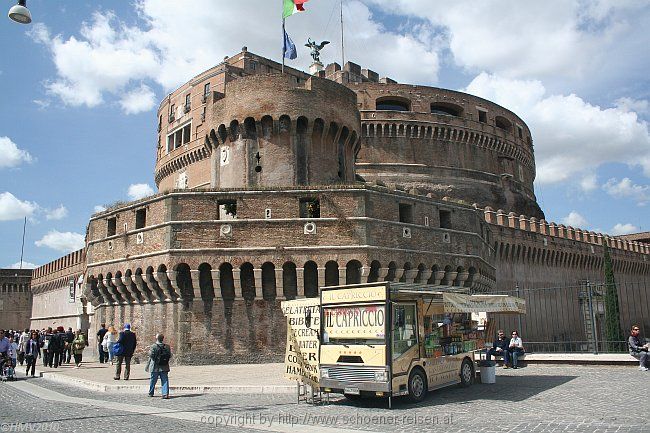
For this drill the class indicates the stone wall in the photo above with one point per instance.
(15, 298)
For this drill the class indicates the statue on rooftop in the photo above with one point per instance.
(316, 49)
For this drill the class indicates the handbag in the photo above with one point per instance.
(118, 349)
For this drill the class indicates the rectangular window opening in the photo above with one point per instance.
(187, 132)
(309, 208)
(111, 226)
(406, 213)
(140, 218)
(482, 116)
(445, 219)
(520, 131)
(227, 209)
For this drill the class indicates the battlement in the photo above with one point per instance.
(73, 259)
(544, 228)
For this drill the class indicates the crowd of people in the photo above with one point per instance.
(54, 346)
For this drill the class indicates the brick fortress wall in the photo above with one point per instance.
(15, 298)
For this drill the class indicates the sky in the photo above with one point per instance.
(82, 83)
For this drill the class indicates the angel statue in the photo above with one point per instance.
(315, 49)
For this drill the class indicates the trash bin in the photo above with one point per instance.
(488, 371)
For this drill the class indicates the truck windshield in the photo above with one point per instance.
(363, 324)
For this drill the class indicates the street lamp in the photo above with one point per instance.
(20, 13)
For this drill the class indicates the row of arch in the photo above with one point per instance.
(519, 253)
(268, 281)
(181, 162)
(372, 129)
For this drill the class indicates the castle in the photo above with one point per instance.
(272, 185)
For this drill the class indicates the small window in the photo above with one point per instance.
(140, 218)
(309, 208)
(111, 226)
(406, 213)
(446, 109)
(170, 143)
(187, 131)
(206, 89)
(520, 131)
(227, 209)
(393, 105)
(172, 109)
(160, 123)
(187, 99)
(445, 219)
(482, 116)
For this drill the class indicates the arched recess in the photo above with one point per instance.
(311, 279)
(205, 283)
(393, 103)
(250, 129)
(226, 282)
(373, 276)
(353, 272)
(446, 109)
(289, 281)
(184, 281)
(342, 154)
(301, 150)
(222, 132)
(268, 282)
(407, 267)
(267, 127)
(419, 278)
(331, 273)
(284, 124)
(247, 279)
(392, 270)
(503, 123)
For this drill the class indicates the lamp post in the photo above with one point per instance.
(19, 13)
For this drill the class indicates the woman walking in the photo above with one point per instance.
(110, 338)
(78, 346)
(32, 352)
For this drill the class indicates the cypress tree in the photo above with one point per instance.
(613, 333)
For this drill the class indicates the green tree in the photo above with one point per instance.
(613, 333)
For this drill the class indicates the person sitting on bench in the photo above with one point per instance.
(638, 350)
(499, 347)
(515, 349)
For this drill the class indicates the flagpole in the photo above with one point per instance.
(22, 248)
(342, 45)
(284, 43)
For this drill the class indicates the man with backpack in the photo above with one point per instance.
(48, 352)
(159, 356)
(123, 350)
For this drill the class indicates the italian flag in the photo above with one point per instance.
(292, 7)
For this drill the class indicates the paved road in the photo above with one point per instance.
(532, 399)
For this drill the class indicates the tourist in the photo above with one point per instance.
(24, 337)
(78, 345)
(515, 349)
(69, 338)
(110, 338)
(638, 350)
(499, 347)
(32, 352)
(158, 365)
(59, 353)
(46, 338)
(127, 343)
(103, 356)
(4, 349)
(12, 353)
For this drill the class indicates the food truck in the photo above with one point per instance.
(392, 339)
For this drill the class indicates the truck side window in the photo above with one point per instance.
(404, 329)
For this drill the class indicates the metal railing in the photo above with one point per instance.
(572, 318)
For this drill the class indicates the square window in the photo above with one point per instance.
(445, 219)
(482, 116)
(140, 218)
(111, 227)
(309, 208)
(227, 209)
(406, 213)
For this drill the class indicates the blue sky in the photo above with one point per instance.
(81, 85)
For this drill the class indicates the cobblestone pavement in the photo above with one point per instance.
(532, 399)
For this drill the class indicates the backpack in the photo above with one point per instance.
(118, 349)
(46, 342)
(163, 355)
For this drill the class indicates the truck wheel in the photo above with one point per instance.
(417, 386)
(466, 373)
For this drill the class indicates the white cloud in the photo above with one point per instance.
(624, 229)
(11, 208)
(62, 241)
(56, 214)
(639, 106)
(11, 155)
(571, 136)
(42, 104)
(574, 219)
(140, 190)
(589, 183)
(625, 188)
(172, 42)
(138, 100)
(99, 208)
(25, 265)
